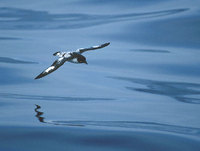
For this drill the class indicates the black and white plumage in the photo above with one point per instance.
(73, 57)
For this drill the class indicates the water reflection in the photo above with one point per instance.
(180, 91)
(16, 61)
(41, 118)
(39, 114)
(24, 19)
(121, 124)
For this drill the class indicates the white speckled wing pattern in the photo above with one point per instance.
(81, 50)
(67, 56)
(53, 67)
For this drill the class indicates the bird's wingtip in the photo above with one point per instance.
(56, 53)
(106, 44)
(36, 78)
(39, 76)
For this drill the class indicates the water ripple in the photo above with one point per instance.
(49, 98)
(15, 61)
(33, 20)
(181, 91)
(150, 50)
(9, 38)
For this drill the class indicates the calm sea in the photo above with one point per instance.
(141, 93)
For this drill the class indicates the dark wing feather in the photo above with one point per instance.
(46, 72)
(81, 50)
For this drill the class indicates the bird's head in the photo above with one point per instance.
(82, 59)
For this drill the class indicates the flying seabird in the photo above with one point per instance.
(73, 57)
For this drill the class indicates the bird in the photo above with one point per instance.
(72, 57)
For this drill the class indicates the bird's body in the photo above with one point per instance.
(73, 57)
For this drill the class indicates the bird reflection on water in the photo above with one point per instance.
(39, 114)
(130, 125)
(41, 118)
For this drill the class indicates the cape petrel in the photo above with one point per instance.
(73, 57)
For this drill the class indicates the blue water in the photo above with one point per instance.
(142, 92)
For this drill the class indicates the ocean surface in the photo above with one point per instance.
(140, 93)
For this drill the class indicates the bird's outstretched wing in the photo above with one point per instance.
(59, 54)
(50, 69)
(81, 50)
(59, 62)
(46, 72)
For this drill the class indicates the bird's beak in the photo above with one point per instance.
(86, 62)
